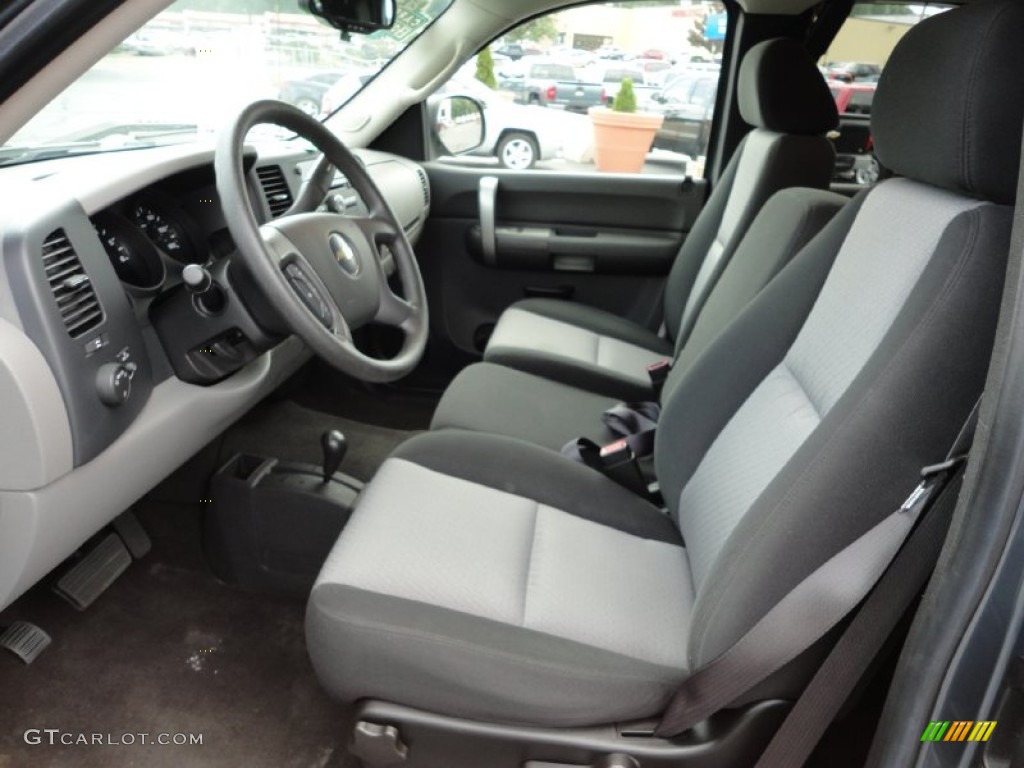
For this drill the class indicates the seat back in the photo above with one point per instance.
(809, 418)
(782, 94)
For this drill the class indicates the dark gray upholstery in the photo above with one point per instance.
(971, 142)
(474, 576)
(473, 667)
(780, 89)
(551, 413)
(490, 630)
(901, 413)
(578, 345)
(533, 408)
(786, 223)
(775, 318)
(787, 148)
(571, 487)
(598, 321)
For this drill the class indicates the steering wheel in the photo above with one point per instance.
(324, 273)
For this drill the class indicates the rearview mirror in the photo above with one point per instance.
(362, 16)
(459, 124)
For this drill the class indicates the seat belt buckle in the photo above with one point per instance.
(616, 453)
(658, 372)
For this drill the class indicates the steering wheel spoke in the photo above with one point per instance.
(378, 228)
(278, 246)
(314, 188)
(394, 310)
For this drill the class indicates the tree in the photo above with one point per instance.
(625, 99)
(697, 36)
(535, 30)
(485, 68)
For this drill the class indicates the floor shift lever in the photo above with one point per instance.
(334, 446)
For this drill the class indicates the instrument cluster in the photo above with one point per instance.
(156, 232)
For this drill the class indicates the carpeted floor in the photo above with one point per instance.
(169, 649)
(287, 431)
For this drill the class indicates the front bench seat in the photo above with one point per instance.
(485, 578)
(551, 413)
(785, 98)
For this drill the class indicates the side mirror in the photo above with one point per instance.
(459, 124)
(361, 16)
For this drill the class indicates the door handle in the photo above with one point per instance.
(488, 201)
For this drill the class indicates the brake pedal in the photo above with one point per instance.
(93, 574)
(25, 640)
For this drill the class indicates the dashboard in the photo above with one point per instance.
(111, 374)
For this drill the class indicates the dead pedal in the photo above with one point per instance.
(25, 640)
(93, 574)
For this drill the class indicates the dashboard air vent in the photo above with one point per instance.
(424, 185)
(79, 307)
(275, 189)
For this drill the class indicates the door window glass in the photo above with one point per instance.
(547, 86)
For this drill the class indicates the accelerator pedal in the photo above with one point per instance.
(93, 574)
(25, 640)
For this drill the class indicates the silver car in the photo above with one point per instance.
(519, 136)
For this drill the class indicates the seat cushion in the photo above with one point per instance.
(492, 398)
(577, 345)
(485, 578)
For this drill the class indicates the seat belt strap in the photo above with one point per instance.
(812, 608)
(863, 638)
(635, 423)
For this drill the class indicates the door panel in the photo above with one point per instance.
(607, 241)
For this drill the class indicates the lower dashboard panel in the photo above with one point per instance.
(40, 528)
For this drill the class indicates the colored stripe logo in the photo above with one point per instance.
(958, 730)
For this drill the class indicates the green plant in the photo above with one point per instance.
(464, 107)
(625, 99)
(485, 68)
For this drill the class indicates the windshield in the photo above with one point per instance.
(182, 75)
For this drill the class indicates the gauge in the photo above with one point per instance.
(135, 260)
(166, 228)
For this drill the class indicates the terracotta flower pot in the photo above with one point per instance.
(623, 139)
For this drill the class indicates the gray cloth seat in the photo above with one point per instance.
(585, 347)
(484, 570)
(484, 577)
(488, 397)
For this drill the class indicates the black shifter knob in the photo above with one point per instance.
(334, 445)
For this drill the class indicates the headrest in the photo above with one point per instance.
(949, 106)
(782, 90)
